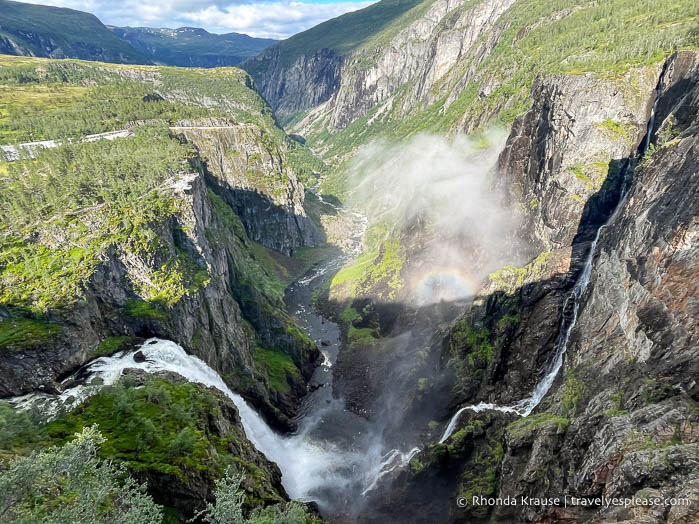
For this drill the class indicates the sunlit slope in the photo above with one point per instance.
(448, 81)
(38, 30)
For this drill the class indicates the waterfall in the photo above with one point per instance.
(306, 465)
(525, 406)
(477, 408)
(572, 303)
(389, 461)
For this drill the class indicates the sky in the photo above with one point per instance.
(263, 19)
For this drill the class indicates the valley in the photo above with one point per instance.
(425, 253)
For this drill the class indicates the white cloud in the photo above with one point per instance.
(267, 18)
(271, 19)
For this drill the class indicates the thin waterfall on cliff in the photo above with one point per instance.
(572, 303)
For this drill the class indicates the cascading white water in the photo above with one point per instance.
(307, 465)
(525, 406)
(389, 461)
(477, 408)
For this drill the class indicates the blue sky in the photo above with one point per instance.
(263, 18)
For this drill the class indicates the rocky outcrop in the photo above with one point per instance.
(342, 89)
(302, 84)
(422, 53)
(222, 319)
(156, 411)
(572, 144)
(620, 419)
(249, 169)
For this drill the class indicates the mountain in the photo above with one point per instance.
(596, 333)
(569, 374)
(43, 31)
(458, 285)
(192, 47)
(37, 30)
(450, 66)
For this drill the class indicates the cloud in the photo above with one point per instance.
(271, 19)
(267, 18)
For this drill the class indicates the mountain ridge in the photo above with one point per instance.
(56, 32)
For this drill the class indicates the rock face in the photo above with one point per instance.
(620, 419)
(222, 321)
(303, 84)
(344, 88)
(249, 171)
(422, 52)
(569, 146)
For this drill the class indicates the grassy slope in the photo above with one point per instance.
(155, 427)
(605, 39)
(343, 34)
(75, 32)
(62, 211)
(77, 215)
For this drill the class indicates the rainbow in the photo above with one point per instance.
(437, 283)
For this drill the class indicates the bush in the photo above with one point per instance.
(71, 484)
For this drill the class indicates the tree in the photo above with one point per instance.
(68, 484)
(228, 507)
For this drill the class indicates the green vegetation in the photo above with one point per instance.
(148, 425)
(511, 278)
(353, 271)
(86, 197)
(73, 484)
(342, 34)
(161, 427)
(109, 346)
(307, 167)
(538, 37)
(75, 33)
(617, 401)
(527, 425)
(574, 388)
(481, 477)
(617, 129)
(141, 309)
(377, 272)
(278, 367)
(22, 333)
(385, 271)
(460, 440)
(99, 109)
(356, 335)
(63, 211)
(228, 507)
(475, 343)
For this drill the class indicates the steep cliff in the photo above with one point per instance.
(619, 420)
(153, 245)
(252, 174)
(449, 66)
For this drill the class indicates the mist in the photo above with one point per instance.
(438, 196)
